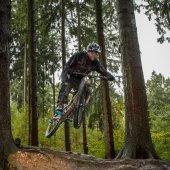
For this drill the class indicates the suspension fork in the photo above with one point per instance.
(89, 93)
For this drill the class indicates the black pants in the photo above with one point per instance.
(66, 87)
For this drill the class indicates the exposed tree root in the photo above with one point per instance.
(137, 152)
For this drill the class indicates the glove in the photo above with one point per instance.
(111, 78)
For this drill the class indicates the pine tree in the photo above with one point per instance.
(66, 123)
(108, 127)
(33, 114)
(85, 146)
(6, 141)
(138, 143)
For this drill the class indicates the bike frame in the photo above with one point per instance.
(87, 78)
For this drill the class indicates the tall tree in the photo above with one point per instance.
(85, 146)
(79, 24)
(6, 141)
(25, 77)
(33, 114)
(66, 123)
(138, 143)
(107, 114)
(53, 81)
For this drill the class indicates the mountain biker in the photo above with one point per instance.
(81, 62)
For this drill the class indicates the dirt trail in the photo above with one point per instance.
(53, 160)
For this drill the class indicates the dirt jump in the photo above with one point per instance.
(46, 159)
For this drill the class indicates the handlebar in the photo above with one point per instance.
(90, 76)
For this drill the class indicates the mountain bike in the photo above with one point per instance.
(78, 105)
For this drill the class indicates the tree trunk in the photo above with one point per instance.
(85, 146)
(107, 115)
(25, 76)
(138, 143)
(53, 83)
(66, 123)
(33, 115)
(6, 141)
(25, 92)
(53, 86)
(79, 28)
(43, 89)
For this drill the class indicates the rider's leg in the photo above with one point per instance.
(64, 92)
(63, 97)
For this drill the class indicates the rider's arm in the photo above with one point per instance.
(100, 69)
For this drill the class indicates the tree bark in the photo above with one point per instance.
(43, 89)
(53, 82)
(25, 76)
(66, 123)
(6, 141)
(85, 145)
(33, 114)
(79, 28)
(107, 114)
(138, 143)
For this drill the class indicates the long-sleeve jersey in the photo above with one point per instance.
(80, 62)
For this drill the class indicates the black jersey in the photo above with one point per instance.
(80, 62)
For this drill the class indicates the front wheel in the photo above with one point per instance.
(52, 127)
(80, 105)
(55, 124)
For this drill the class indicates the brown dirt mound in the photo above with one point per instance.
(31, 161)
(45, 159)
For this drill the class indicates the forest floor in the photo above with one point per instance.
(45, 159)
